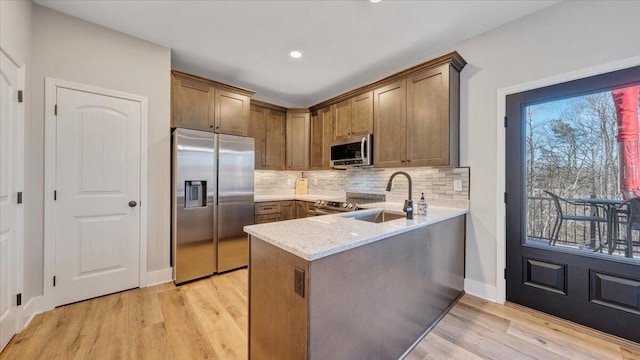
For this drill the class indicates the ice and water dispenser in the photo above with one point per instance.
(195, 194)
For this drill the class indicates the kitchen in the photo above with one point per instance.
(496, 60)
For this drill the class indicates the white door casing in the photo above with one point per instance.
(95, 242)
(11, 183)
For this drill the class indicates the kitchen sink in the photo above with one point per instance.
(380, 217)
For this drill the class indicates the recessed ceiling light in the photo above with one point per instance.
(375, 1)
(295, 54)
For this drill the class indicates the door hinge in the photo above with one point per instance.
(55, 109)
(19, 299)
(19, 197)
(505, 273)
(505, 121)
(54, 281)
(20, 99)
(55, 195)
(505, 198)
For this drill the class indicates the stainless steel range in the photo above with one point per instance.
(325, 207)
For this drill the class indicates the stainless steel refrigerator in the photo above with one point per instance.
(212, 185)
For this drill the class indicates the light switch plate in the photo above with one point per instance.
(288, 181)
(315, 181)
(457, 185)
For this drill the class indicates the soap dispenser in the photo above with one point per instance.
(423, 207)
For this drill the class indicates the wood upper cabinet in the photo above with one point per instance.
(298, 139)
(267, 126)
(354, 116)
(202, 104)
(432, 117)
(321, 137)
(257, 123)
(417, 120)
(342, 120)
(362, 114)
(390, 124)
(275, 140)
(192, 104)
(231, 113)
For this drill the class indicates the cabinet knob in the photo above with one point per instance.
(211, 126)
(408, 160)
(132, 203)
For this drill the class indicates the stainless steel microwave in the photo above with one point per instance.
(352, 152)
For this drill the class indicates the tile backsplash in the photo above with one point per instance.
(435, 183)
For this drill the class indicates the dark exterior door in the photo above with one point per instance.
(588, 271)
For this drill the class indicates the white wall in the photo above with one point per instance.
(566, 37)
(71, 49)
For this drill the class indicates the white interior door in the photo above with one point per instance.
(97, 181)
(10, 211)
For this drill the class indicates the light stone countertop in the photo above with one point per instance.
(313, 238)
(312, 198)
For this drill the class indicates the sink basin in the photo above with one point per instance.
(380, 217)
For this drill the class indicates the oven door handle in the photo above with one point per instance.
(323, 212)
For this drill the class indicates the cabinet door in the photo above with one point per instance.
(298, 140)
(390, 125)
(257, 124)
(301, 210)
(342, 120)
(275, 140)
(287, 210)
(232, 113)
(321, 137)
(192, 104)
(428, 118)
(362, 114)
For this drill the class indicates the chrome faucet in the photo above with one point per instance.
(408, 204)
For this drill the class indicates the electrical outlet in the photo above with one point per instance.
(288, 181)
(315, 181)
(457, 185)
(298, 281)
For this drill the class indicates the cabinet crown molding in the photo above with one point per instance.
(452, 58)
(213, 83)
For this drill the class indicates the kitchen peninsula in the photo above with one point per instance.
(344, 286)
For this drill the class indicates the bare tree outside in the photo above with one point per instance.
(572, 151)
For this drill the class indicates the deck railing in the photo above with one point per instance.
(541, 215)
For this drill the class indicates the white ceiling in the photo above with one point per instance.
(346, 44)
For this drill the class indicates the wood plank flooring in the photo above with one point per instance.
(208, 319)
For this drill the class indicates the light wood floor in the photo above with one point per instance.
(207, 319)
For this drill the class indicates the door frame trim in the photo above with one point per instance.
(51, 86)
(19, 182)
(501, 224)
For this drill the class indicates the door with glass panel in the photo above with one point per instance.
(572, 183)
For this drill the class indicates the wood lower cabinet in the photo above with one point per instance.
(272, 211)
(298, 139)
(321, 137)
(267, 126)
(417, 120)
(203, 104)
(354, 117)
(287, 210)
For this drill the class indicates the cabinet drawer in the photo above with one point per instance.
(266, 218)
(271, 207)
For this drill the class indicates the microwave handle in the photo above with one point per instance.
(362, 148)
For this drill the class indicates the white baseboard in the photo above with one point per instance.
(158, 277)
(32, 308)
(481, 290)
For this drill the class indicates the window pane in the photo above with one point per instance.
(584, 150)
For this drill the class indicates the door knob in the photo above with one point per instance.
(132, 203)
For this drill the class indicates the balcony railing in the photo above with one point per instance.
(541, 215)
